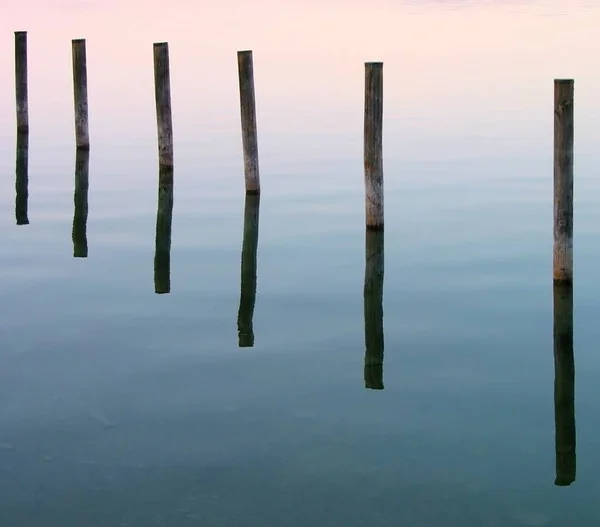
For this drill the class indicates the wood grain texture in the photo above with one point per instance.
(22, 98)
(373, 309)
(248, 272)
(164, 220)
(22, 179)
(373, 145)
(80, 94)
(564, 386)
(248, 116)
(162, 92)
(563, 180)
(80, 199)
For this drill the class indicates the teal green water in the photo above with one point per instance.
(123, 407)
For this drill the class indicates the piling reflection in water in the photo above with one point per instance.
(564, 386)
(248, 278)
(373, 309)
(22, 178)
(79, 235)
(164, 217)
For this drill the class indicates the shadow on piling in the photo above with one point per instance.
(164, 217)
(564, 386)
(373, 309)
(79, 234)
(248, 278)
(22, 178)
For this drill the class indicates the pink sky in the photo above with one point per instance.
(459, 65)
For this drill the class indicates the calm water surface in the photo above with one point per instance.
(123, 407)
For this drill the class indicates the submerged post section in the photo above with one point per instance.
(22, 178)
(162, 90)
(80, 198)
(21, 81)
(564, 387)
(164, 220)
(248, 115)
(563, 181)
(82, 136)
(373, 309)
(248, 278)
(373, 145)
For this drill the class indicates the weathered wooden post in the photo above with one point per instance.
(164, 219)
(82, 136)
(164, 213)
(21, 81)
(373, 309)
(248, 114)
(564, 386)
(22, 178)
(248, 279)
(373, 145)
(162, 91)
(80, 198)
(563, 180)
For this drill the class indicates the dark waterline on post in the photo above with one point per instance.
(564, 386)
(80, 198)
(563, 180)
(22, 99)
(22, 179)
(164, 219)
(373, 309)
(248, 116)
(248, 273)
(80, 95)
(373, 145)
(162, 92)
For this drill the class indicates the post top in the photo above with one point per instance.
(19, 33)
(244, 52)
(374, 64)
(160, 44)
(78, 40)
(564, 81)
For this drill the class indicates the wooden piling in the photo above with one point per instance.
(373, 309)
(564, 386)
(80, 199)
(248, 115)
(164, 219)
(373, 145)
(162, 91)
(22, 179)
(21, 81)
(248, 278)
(563, 180)
(82, 136)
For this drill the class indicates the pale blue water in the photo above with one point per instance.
(121, 407)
